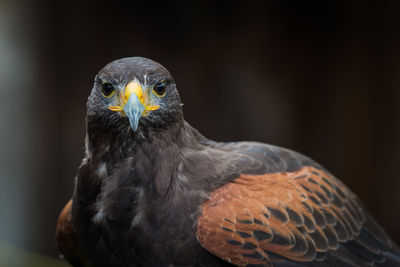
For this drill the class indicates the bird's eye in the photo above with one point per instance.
(107, 89)
(160, 88)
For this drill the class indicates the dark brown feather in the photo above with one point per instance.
(67, 240)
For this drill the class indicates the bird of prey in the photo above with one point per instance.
(152, 191)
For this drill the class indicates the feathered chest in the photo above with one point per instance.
(131, 221)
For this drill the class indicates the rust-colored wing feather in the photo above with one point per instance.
(67, 240)
(301, 216)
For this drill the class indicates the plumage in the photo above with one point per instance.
(67, 240)
(152, 191)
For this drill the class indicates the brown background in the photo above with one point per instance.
(320, 77)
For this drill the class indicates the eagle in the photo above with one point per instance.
(153, 191)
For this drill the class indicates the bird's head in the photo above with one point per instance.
(133, 93)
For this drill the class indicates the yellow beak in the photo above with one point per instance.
(133, 87)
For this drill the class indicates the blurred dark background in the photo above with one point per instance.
(320, 77)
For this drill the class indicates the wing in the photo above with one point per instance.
(67, 240)
(305, 216)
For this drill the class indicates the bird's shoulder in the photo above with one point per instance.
(67, 239)
(221, 162)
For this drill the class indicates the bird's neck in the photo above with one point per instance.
(116, 146)
(139, 159)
